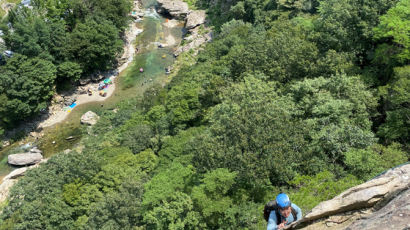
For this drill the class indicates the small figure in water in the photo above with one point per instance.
(141, 70)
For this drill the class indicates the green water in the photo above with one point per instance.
(130, 83)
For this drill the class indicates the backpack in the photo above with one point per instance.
(272, 206)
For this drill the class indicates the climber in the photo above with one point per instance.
(281, 212)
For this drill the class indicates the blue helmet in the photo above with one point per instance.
(283, 200)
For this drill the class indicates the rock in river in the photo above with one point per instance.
(89, 118)
(195, 18)
(177, 9)
(24, 158)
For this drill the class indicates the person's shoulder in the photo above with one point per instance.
(294, 206)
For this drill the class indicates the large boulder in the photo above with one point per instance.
(89, 118)
(68, 100)
(175, 8)
(195, 18)
(21, 159)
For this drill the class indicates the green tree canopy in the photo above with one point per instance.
(26, 85)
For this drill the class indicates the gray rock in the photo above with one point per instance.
(195, 43)
(97, 77)
(84, 81)
(395, 215)
(6, 143)
(21, 159)
(375, 204)
(16, 173)
(35, 150)
(68, 100)
(177, 9)
(365, 195)
(5, 188)
(195, 18)
(89, 118)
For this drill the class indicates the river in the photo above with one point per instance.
(129, 83)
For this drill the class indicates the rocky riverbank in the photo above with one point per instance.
(198, 33)
(58, 111)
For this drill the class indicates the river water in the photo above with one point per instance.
(130, 83)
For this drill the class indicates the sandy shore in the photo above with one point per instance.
(128, 55)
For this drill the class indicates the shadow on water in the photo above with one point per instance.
(130, 83)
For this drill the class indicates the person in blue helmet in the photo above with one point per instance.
(284, 213)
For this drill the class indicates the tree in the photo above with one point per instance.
(347, 25)
(31, 36)
(367, 163)
(69, 70)
(175, 213)
(182, 104)
(337, 111)
(26, 85)
(211, 197)
(394, 28)
(252, 133)
(168, 181)
(396, 97)
(118, 210)
(95, 45)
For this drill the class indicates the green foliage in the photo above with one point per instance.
(252, 132)
(310, 190)
(26, 85)
(395, 26)
(94, 45)
(336, 110)
(173, 179)
(211, 197)
(178, 146)
(396, 95)
(282, 99)
(119, 210)
(182, 104)
(175, 213)
(31, 37)
(347, 25)
(69, 70)
(367, 163)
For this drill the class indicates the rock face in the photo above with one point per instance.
(177, 9)
(364, 206)
(195, 18)
(395, 215)
(16, 173)
(196, 39)
(21, 159)
(4, 189)
(89, 118)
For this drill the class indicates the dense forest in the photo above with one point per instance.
(309, 97)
